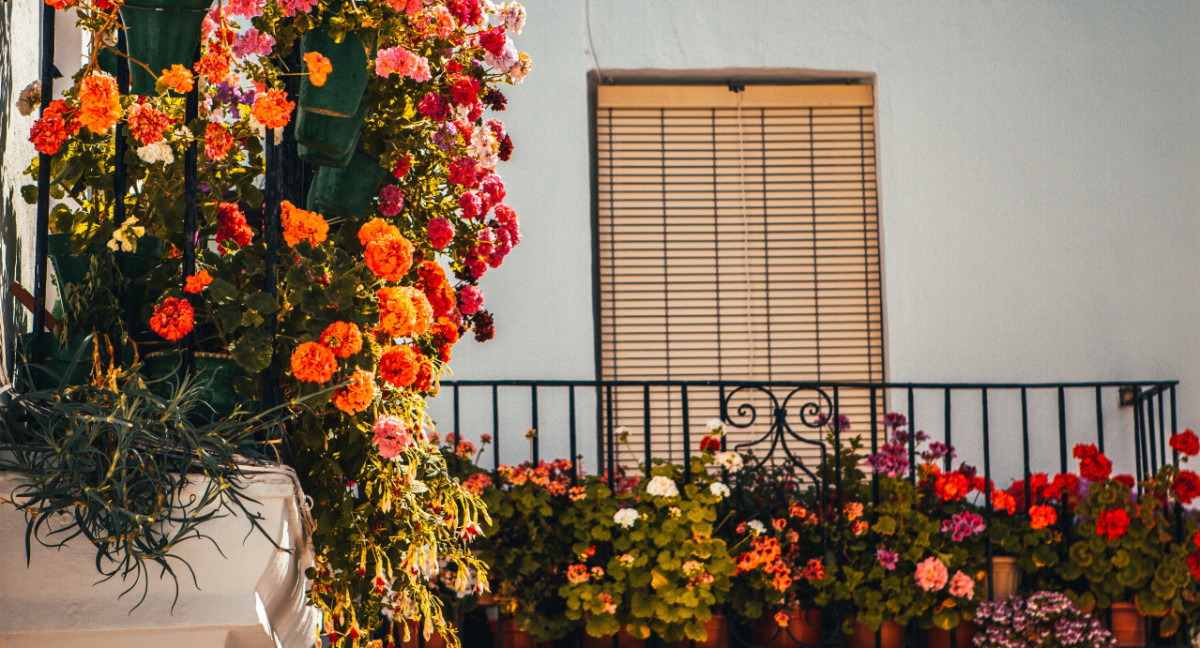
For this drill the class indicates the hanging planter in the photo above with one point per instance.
(328, 140)
(161, 33)
(342, 93)
(346, 192)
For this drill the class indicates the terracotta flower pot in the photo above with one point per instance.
(963, 636)
(512, 637)
(434, 641)
(803, 628)
(716, 634)
(161, 33)
(1006, 575)
(1127, 625)
(891, 635)
(624, 640)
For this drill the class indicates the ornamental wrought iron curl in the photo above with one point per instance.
(811, 415)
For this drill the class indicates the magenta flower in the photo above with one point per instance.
(887, 558)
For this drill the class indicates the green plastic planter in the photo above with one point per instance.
(346, 192)
(163, 367)
(344, 88)
(161, 33)
(325, 140)
(57, 366)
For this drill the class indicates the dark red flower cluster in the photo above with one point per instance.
(232, 226)
(710, 443)
(1186, 486)
(1093, 465)
(1112, 524)
(485, 326)
(1186, 443)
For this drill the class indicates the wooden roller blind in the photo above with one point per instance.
(738, 240)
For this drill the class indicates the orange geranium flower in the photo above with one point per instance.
(214, 65)
(147, 123)
(99, 103)
(217, 141)
(399, 365)
(389, 257)
(312, 362)
(439, 292)
(318, 67)
(343, 338)
(1003, 501)
(173, 318)
(356, 396)
(403, 312)
(52, 129)
(272, 108)
(177, 78)
(198, 282)
(1042, 516)
(375, 229)
(302, 225)
(425, 377)
(952, 486)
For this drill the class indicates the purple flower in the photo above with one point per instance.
(937, 450)
(894, 420)
(887, 558)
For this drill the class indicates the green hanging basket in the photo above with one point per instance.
(325, 140)
(161, 33)
(344, 88)
(346, 192)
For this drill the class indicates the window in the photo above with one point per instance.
(738, 240)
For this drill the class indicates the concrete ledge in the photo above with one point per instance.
(252, 597)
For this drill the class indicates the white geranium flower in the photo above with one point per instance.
(626, 517)
(662, 487)
(159, 151)
(730, 460)
(513, 16)
(125, 237)
(719, 489)
(756, 526)
(715, 425)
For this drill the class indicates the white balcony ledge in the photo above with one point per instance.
(252, 597)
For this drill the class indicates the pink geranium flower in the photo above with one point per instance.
(932, 574)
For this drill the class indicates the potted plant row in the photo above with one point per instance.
(735, 545)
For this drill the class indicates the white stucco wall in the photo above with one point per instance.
(1038, 166)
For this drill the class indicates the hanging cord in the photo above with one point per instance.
(587, 16)
(751, 359)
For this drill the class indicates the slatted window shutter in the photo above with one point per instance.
(738, 241)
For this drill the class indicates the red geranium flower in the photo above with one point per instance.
(1112, 524)
(1186, 443)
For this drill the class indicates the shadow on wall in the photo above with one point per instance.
(8, 224)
